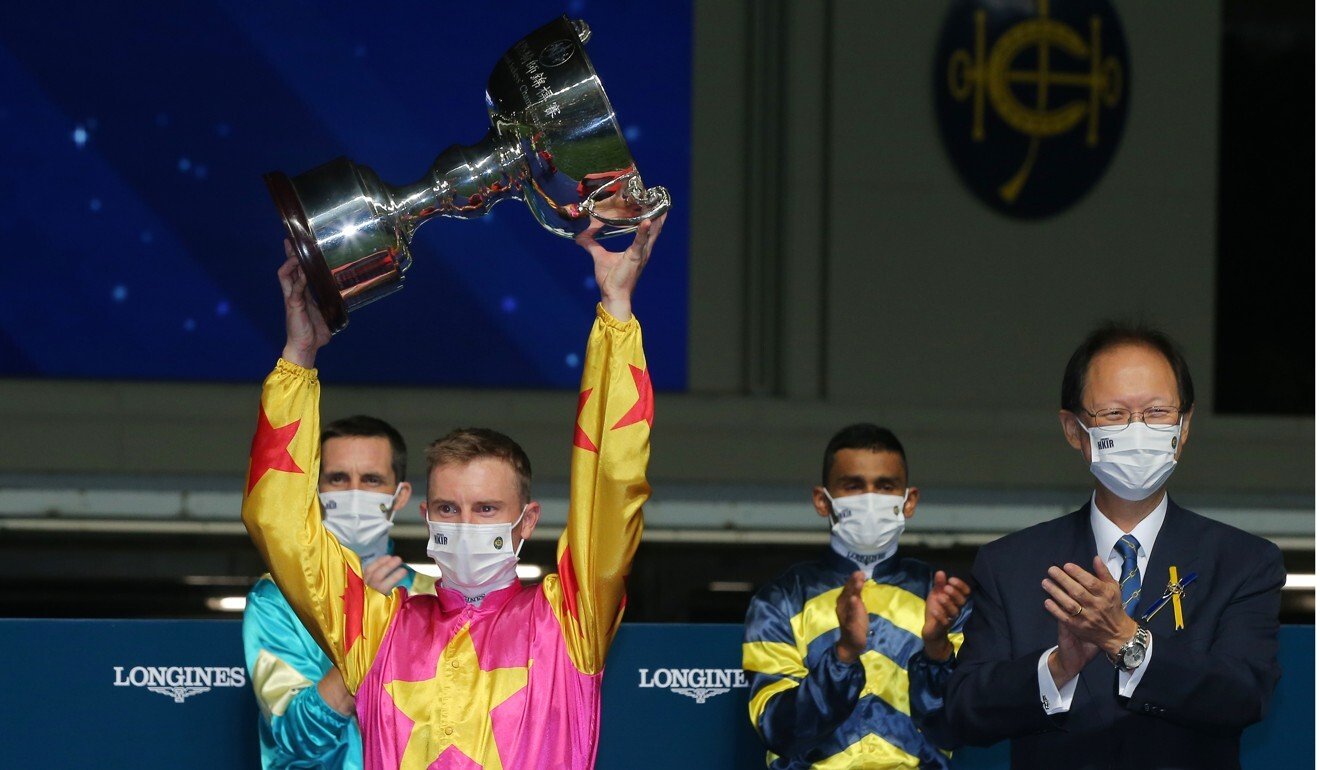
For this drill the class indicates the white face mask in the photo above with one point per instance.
(361, 520)
(1134, 462)
(866, 527)
(474, 559)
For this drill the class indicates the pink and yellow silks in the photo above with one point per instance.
(513, 683)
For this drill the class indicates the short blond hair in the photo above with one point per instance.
(463, 445)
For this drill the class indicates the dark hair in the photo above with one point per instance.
(863, 435)
(464, 445)
(1112, 334)
(363, 426)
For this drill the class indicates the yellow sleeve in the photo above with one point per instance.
(422, 584)
(321, 579)
(611, 446)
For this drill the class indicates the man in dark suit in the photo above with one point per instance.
(1063, 656)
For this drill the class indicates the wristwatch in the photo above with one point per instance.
(1133, 653)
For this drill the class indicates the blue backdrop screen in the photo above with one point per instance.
(137, 240)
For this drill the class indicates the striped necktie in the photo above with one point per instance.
(1130, 577)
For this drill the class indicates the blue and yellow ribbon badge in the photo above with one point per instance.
(1177, 598)
(1172, 593)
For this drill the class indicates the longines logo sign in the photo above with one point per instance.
(696, 683)
(180, 682)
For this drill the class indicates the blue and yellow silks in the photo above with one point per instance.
(812, 711)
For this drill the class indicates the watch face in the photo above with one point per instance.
(1135, 651)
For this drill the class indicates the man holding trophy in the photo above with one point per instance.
(486, 673)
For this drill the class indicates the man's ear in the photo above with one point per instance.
(530, 517)
(1074, 433)
(910, 505)
(1186, 429)
(401, 499)
(821, 501)
(421, 507)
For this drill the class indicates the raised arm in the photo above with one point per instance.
(611, 446)
(321, 579)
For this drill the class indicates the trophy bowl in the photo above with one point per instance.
(554, 143)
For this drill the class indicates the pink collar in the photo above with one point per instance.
(453, 601)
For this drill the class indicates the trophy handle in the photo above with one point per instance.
(654, 200)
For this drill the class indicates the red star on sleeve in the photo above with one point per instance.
(580, 437)
(352, 597)
(644, 409)
(270, 449)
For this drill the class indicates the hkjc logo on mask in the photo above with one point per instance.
(474, 558)
(868, 525)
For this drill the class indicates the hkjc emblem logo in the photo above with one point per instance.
(1031, 99)
(498, 543)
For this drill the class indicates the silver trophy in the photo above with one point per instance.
(554, 143)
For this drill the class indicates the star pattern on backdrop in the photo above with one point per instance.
(433, 705)
(270, 449)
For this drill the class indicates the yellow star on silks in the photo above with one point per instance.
(453, 708)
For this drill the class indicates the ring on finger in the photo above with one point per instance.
(1079, 611)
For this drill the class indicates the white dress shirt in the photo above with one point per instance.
(1057, 700)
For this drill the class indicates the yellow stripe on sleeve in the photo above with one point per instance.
(773, 658)
(756, 707)
(869, 751)
(275, 683)
(818, 616)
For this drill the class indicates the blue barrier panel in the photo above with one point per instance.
(126, 694)
(1287, 736)
(137, 693)
(660, 717)
(675, 695)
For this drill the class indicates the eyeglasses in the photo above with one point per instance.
(1155, 417)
